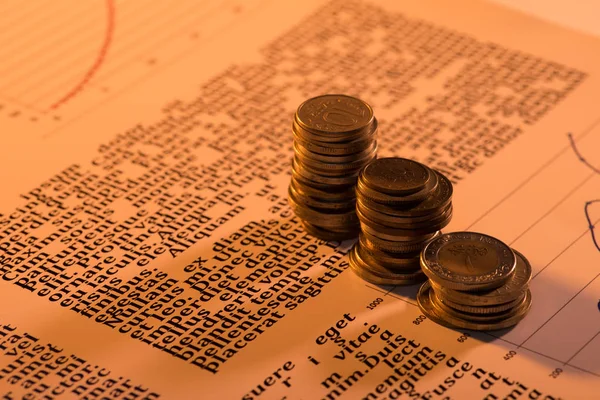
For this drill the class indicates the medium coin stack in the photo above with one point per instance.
(475, 282)
(334, 138)
(401, 205)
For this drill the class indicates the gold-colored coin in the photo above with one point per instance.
(344, 194)
(370, 208)
(323, 218)
(433, 201)
(391, 233)
(390, 246)
(335, 169)
(331, 138)
(332, 117)
(309, 201)
(329, 235)
(386, 199)
(334, 138)
(439, 316)
(468, 308)
(308, 183)
(326, 173)
(365, 154)
(477, 316)
(392, 261)
(514, 288)
(468, 261)
(396, 176)
(340, 148)
(309, 175)
(374, 273)
(391, 221)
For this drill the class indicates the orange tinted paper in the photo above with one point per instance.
(147, 249)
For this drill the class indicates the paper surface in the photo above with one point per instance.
(147, 248)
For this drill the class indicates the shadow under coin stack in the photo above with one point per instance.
(401, 205)
(476, 282)
(334, 138)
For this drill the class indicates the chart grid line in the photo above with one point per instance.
(109, 73)
(502, 339)
(106, 42)
(562, 200)
(562, 252)
(535, 173)
(560, 309)
(583, 347)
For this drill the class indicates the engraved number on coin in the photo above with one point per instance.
(510, 355)
(463, 338)
(554, 374)
(419, 320)
(340, 117)
(375, 303)
(470, 252)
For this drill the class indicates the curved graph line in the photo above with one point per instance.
(578, 154)
(587, 203)
(590, 223)
(110, 26)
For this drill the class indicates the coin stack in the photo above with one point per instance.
(401, 205)
(334, 138)
(475, 282)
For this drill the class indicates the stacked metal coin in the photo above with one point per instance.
(476, 282)
(401, 205)
(334, 138)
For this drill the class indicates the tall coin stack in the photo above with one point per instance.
(475, 282)
(334, 138)
(401, 205)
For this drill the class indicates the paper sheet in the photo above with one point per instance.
(147, 249)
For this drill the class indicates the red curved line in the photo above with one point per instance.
(110, 26)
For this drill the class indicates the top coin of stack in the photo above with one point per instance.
(334, 138)
(401, 205)
(476, 282)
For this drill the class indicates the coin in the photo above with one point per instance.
(396, 176)
(392, 233)
(515, 287)
(308, 184)
(401, 204)
(391, 201)
(472, 309)
(334, 194)
(392, 246)
(338, 168)
(342, 147)
(322, 218)
(389, 261)
(309, 201)
(401, 239)
(373, 248)
(474, 316)
(334, 138)
(380, 276)
(404, 222)
(334, 115)
(337, 159)
(329, 235)
(320, 178)
(468, 261)
(437, 315)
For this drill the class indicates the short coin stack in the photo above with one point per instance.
(334, 138)
(401, 205)
(476, 282)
